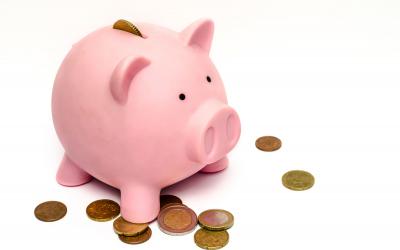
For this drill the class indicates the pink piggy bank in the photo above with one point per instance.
(141, 108)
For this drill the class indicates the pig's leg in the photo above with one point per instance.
(140, 204)
(216, 166)
(69, 174)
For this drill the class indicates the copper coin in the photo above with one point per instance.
(216, 219)
(102, 210)
(177, 220)
(50, 211)
(166, 199)
(211, 239)
(268, 143)
(121, 226)
(143, 237)
(127, 26)
(298, 180)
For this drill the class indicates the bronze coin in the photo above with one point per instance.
(102, 210)
(121, 226)
(298, 180)
(216, 219)
(177, 220)
(268, 143)
(143, 237)
(166, 199)
(50, 211)
(127, 26)
(211, 239)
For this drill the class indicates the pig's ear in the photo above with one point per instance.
(200, 34)
(123, 75)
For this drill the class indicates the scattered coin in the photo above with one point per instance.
(127, 26)
(121, 226)
(177, 220)
(298, 180)
(268, 143)
(50, 211)
(216, 219)
(102, 210)
(211, 239)
(143, 237)
(167, 199)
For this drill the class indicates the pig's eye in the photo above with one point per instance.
(182, 96)
(208, 79)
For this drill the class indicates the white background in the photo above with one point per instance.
(324, 76)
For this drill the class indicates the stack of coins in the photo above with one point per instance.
(174, 218)
(131, 233)
(213, 234)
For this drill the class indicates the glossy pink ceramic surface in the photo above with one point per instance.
(142, 113)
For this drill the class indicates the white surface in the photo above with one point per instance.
(324, 76)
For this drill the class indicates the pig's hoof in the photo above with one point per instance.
(70, 175)
(140, 204)
(216, 166)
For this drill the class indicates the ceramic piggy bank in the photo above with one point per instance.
(141, 107)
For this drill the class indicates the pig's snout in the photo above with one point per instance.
(214, 130)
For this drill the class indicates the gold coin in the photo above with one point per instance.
(121, 226)
(127, 26)
(102, 210)
(216, 219)
(211, 239)
(298, 180)
(177, 220)
(50, 211)
(167, 199)
(143, 237)
(268, 143)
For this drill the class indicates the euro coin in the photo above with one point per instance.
(268, 143)
(143, 237)
(167, 199)
(211, 239)
(216, 219)
(298, 180)
(102, 210)
(50, 211)
(121, 226)
(177, 220)
(127, 26)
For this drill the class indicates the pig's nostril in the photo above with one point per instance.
(209, 140)
(230, 127)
